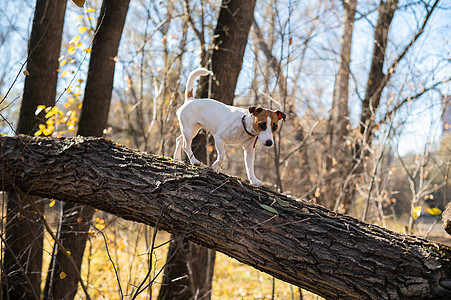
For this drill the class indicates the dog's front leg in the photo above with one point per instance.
(249, 155)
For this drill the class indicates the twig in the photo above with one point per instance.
(111, 260)
(140, 288)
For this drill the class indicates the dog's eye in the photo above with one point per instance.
(262, 125)
(274, 127)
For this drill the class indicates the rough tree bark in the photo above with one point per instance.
(332, 255)
(75, 221)
(193, 263)
(23, 237)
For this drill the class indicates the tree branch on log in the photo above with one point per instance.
(332, 255)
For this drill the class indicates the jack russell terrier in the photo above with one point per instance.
(227, 124)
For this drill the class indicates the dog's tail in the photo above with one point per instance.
(191, 78)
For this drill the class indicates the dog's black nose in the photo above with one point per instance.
(268, 143)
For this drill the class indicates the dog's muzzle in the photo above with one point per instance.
(268, 143)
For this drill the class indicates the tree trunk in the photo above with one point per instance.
(374, 89)
(189, 271)
(176, 282)
(339, 115)
(43, 52)
(76, 218)
(230, 39)
(338, 163)
(24, 235)
(332, 255)
(231, 34)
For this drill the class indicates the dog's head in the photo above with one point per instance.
(266, 123)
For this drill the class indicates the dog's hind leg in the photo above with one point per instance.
(178, 148)
(219, 144)
(188, 135)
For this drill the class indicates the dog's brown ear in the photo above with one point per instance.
(255, 110)
(281, 115)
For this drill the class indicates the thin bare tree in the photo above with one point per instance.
(24, 232)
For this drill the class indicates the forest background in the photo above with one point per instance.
(386, 163)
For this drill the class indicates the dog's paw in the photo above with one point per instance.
(195, 161)
(216, 166)
(255, 181)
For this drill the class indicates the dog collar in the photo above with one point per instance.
(244, 127)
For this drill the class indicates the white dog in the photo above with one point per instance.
(227, 124)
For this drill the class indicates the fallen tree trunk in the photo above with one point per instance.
(332, 255)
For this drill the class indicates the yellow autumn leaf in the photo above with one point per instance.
(88, 50)
(68, 253)
(63, 62)
(100, 226)
(416, 212)
(90, 10)
(48, 130)
(39, 109)
(63, 74)
(52, 112)
(38, 133)
(63, 275)
(82, 29)
(71, 49)
(52, 203)
(74, 39)
(434, 211)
